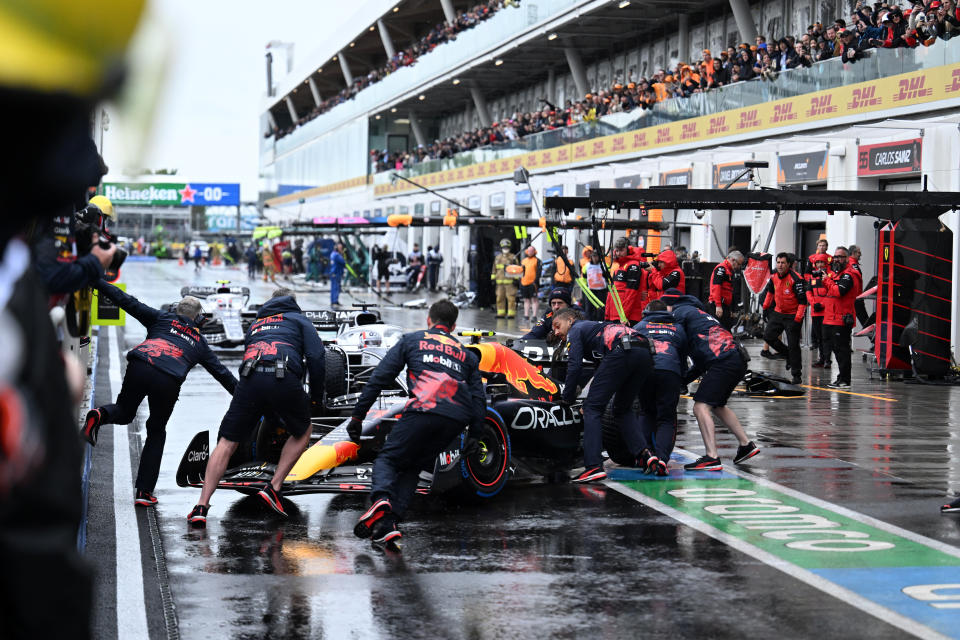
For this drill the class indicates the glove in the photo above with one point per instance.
(818, 306)
(354, 429)
(766, 314)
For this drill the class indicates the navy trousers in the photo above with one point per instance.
(658, 399)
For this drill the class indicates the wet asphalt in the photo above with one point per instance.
(541, 560)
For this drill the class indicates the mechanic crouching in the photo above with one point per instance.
(156, 369)
(559, 299)
(446, 395)
(659, 397)
(625, 364)
(271, 383)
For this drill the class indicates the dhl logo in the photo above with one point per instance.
(664, 135)
(563, 155)
(496, 358)
(783, 113)
(470, 172)
(580, 152)
(821, 106)
(532, 160)
(718, 125)
(460, 174)
(912, 89)
(748, 119)
(504, 166)
(482, 170)
(517, 162)
(619, 144)
(639, 140)
(547, 157)
(689, 131)
(954, 85)
(864, 97)
(599, 148)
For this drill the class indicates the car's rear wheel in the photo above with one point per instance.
(485, 471)
(335, 378)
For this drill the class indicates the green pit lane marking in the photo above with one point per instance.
(869, 564)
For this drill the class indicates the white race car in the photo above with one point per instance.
(226, 313)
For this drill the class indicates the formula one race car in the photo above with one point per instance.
(226, 315)
(526, 432)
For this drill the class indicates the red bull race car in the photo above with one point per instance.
(526, 434)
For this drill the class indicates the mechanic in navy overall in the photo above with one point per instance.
(156, 369)
(446, 395)
(718, 357)
(625, 364)
(559, 298)
(271, 383)
(660, 395)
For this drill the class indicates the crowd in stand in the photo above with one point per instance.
(442, 32)
(880, 25)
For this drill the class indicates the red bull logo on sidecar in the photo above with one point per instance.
(496, 358)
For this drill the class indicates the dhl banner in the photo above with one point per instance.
(917, 87)
(360, 181)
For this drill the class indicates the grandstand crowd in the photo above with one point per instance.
(880, 25)
(442, 32)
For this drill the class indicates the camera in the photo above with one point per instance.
(89, 221)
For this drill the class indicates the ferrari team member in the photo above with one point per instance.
(721, 288)
(853, 258)
(558, 299)
(786, 293)
(271, 382)
(822, 248)
(664, 273)
(625, 365)
(446, 395)
(530, 283)
(717, 357)
(628, 280)
(505, 282)
(839, 290)
(156, 369)
(817, 308)
(659, 397)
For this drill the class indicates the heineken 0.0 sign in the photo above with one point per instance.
(167, 194)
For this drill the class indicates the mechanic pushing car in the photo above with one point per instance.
(156, 370)
(446, 395)
(659, 397)
(558, 299)
(717, 356)
(271, 383)
(625, 364)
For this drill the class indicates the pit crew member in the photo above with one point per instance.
(785, 292)
(446, 395)
(558, 299)
(721, 288)
(839, 290)
(717, 356)
(156, 369)
(625, 364)
(664, 273)
(271, 383)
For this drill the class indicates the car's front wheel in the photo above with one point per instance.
(485, 470)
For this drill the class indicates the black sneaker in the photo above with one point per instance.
(839, 384)
(378, 510)
(745, 452)
(704, 463)
(198, 517)
(91, 426)
(273, 499)
(643, 460)
(144, 498)
(796, 379)
(660, 467)
(953, 507)
(593, 474)
(385, 534)
(765, 353)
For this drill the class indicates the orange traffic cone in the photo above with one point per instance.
(180, 261)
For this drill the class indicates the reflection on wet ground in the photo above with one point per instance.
(550, 560)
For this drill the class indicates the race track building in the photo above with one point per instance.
(888, 121)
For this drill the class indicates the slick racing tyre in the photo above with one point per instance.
(335, 383)
(613, 440)
(485, 471)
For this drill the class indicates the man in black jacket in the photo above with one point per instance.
(446, 395)
(271, 382)
(156, 368)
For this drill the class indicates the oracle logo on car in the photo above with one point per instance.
(541, 418)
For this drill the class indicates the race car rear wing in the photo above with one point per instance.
(330, 320)
(203, 292)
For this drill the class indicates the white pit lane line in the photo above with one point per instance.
(131, 608)
(843, 594)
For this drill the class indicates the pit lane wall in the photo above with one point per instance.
(899, 133)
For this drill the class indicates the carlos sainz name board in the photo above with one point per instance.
(889, 157)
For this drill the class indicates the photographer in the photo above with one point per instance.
(70, 252)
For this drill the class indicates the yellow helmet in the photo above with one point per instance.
(62, 45)
(103, 203)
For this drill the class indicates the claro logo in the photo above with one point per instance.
(540, 418)
(199, 456)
